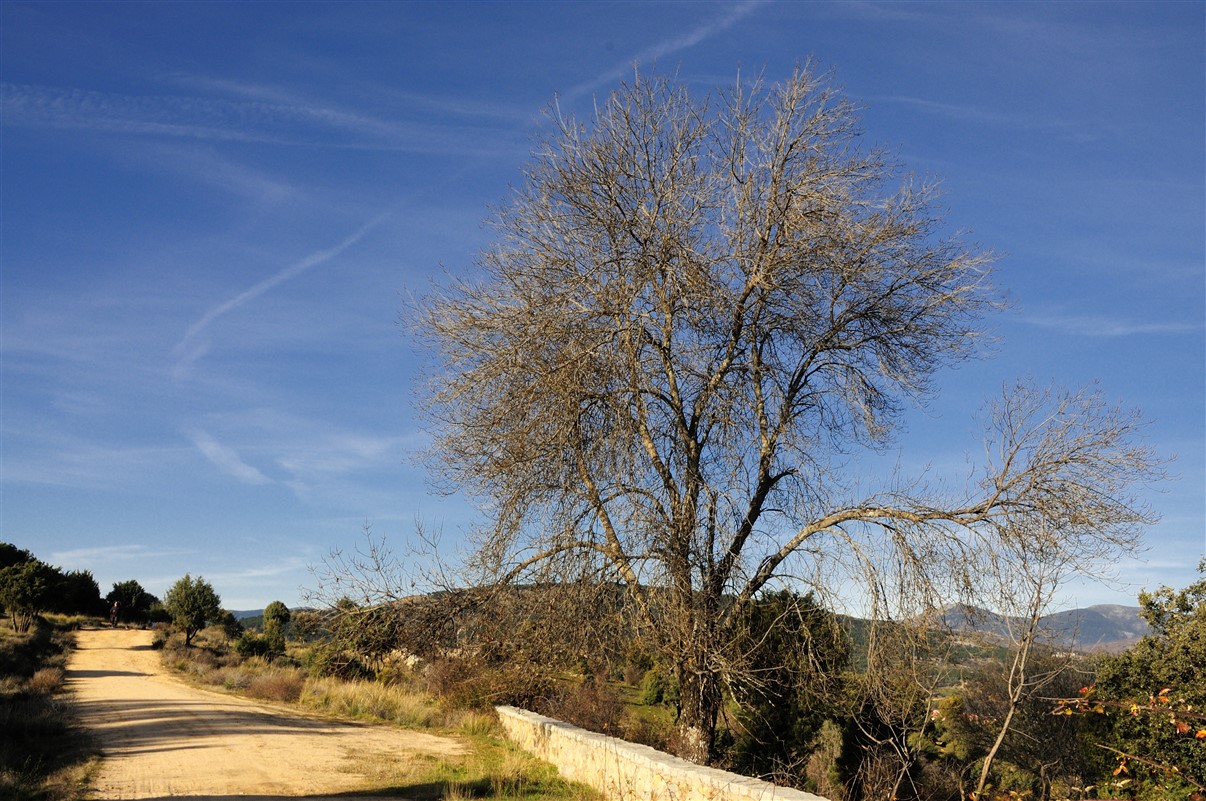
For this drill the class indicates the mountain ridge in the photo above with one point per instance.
(1101, 627)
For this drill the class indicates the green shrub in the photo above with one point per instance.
(249, 645)
(653, 688)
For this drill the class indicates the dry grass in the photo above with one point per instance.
(43, 754)
(46, 681)
(373, 701)
(284, 686)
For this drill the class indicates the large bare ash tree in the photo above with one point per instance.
(696, 314)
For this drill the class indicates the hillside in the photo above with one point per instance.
(1104, 627)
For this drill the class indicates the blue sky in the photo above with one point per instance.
(212, 212)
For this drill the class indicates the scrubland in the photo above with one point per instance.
(43, 753)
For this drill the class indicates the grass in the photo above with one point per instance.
(491, 768)
(44, 755)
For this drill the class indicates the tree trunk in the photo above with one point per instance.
(698, 709)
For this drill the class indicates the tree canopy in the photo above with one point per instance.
(134, 602)
(27, 589)
(696, 313)
(192, 604)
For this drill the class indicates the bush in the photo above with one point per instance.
(331, 661)
(46, 681)
(653, 688)
(468, 684)
(249, 645)
(592, 705)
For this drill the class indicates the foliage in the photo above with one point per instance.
(694, 311)
(79, 594)
(795, 651)
(28, 589)
(1038, 751)
(276, 615)
(1153, 696)
(134, 603)
(231, 626)
(12, 555)
(192, 604)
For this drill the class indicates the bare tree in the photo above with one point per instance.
(695, 313)
(1026, 584)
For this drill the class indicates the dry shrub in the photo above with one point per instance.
(284, 686)
(592, 705)
(462, 683)
(46, 681)
(645, 732)
(231, 678)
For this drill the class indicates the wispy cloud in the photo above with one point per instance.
(227, 459)
(981, 117)
(953, 111)
(55, 459)
(202, 164)
(1101, 326)
(103, 555)
(189, 349)
(674, 44)
(339, 453)
(383, 95)
(218, 119)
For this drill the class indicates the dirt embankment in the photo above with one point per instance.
(162, 738)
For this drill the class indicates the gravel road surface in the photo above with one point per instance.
(163, 739)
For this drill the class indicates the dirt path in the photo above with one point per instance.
(162, 738)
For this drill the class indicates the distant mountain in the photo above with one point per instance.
(1105, 627)
(243, 615)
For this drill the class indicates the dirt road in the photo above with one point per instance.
(162, 738)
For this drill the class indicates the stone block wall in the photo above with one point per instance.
(624, 771)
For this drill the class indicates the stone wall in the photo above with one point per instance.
(624, 771)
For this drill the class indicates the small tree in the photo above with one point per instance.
(26, 590)
(231, 626)
(134, 603)
(78, 594)
(795, 651)
(193, 604)
(276, 618)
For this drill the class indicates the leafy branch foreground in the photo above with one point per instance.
(492, 769)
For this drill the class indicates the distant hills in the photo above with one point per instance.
(1105, 627)
(1109, 628)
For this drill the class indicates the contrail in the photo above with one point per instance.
(668, 46)
(182, 350)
